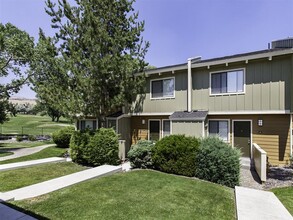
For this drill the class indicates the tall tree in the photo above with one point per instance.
(100, 48)
(16, 52)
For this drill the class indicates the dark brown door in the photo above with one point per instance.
(242, 137)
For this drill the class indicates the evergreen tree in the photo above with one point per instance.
(98, 48)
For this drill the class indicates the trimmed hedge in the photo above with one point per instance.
(95, 150)
(62, 137)
(140, 155)
(218, 162)
(176, 154)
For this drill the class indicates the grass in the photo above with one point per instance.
(285, 195)
(14, 179)
(24, 144)
(141, 194)
(47, 152)
(4, 154)
(33, 125)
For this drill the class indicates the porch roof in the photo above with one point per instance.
(197, 115)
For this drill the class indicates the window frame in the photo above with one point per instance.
(222, 119)
(163, 97)
(227, 71)
(162, 135)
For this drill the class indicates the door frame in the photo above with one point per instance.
(250, 120)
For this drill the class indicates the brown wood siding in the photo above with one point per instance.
(139, 131)
(273, 136)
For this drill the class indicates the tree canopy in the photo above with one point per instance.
(88, 67)
(16, 53)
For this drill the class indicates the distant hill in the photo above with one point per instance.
(21, 101)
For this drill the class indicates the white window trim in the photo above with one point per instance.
(114, 119)
(228, 93)
(250, 120)
(160, 129)
(97, 122)
(222, 119)
(158, 98)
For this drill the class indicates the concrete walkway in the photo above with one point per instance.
(58, 183)
(11, 166)
(25, 151)
(255, 204)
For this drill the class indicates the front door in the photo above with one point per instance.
(242, 136)
(154, 130)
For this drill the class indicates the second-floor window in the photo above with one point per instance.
(163, 88)
(227, 82)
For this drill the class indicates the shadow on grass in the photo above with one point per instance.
(32, 214)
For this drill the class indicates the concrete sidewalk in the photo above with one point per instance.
(25, 151)
(58, 183)
(29, 163)
(255, 204)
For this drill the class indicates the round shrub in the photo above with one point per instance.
(95, 150)
(176, 154)
(62, 137)
(140, 154)
(32, 138)
(19, 138)
(218, 162)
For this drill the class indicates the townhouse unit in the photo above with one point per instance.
(244, 99)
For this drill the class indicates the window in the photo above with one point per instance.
(88, 124)
(219, 128)
(227, 82)
(163, 88)
(166, 128)
(112, 124)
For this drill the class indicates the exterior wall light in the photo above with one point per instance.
(260, 122)
(143, 121)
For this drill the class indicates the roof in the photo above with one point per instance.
(189, 116)
(222, 60)
(115, 115)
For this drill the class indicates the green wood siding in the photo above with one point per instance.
(267, 87)
(145, 104)
(189, 128)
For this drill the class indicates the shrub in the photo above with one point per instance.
(218, 162)
(95, 150)
(176, 154)
(140, 155)
(62, 137)
(19, 138)
(32, 138)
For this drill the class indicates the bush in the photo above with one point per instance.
(95, 150)
(140, 155)
(218, 162)
(62, 137)
(32, 138)
(19, 138)
(176, 154)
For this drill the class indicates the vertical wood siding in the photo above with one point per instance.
(267, 87)
(189, 128)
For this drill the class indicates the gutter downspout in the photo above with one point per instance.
(189, 84)
(291, 135)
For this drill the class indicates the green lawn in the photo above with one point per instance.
(14, 179)
(32, 124)
(24, 144)
(48, 152)
(4, 154)
(286, 197)
(141, 194)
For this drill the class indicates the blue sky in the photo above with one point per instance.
(178, 29)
